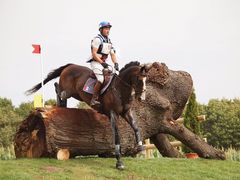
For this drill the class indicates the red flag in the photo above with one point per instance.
(37, 49)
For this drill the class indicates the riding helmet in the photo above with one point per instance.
(104, 24)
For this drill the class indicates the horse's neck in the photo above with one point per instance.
(123, 87)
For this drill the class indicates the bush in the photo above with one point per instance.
(7, 152)
(232, 154)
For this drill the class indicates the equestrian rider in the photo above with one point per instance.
(101, 47)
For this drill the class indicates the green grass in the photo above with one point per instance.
(104, 168)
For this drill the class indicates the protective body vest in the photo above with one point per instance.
(104, 49)
(105, 46)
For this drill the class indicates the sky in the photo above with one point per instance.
(201, 37)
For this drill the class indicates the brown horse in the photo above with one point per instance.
(115, 101)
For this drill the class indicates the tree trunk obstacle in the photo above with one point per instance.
(86, 132)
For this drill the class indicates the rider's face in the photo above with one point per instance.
(105, 31)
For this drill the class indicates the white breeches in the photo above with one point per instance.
(97, 69)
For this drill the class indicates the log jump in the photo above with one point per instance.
(87, 132)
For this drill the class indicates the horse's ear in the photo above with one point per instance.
(146, 67)
(143, 70)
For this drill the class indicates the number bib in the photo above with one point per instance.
(106, 48)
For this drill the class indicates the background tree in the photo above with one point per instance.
(191, 113)
(222, 125)
(24, 109)
(10, 118)
(51, 102)
(190, 117)
(9, 121)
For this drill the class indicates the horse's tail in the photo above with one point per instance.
(52, 75)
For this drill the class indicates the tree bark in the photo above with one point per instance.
(164, 146)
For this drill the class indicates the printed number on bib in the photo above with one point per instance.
(106, 48)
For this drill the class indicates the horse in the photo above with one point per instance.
(116, 100)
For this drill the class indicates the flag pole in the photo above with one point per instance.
(41, 61)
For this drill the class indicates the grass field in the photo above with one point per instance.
(104, 168)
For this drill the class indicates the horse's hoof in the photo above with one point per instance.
(119, 165)
(141, 149)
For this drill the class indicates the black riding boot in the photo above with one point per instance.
(96, 92)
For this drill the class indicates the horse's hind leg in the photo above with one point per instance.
(63, 103)
(60, 102)
(119, 164)
(57, 90)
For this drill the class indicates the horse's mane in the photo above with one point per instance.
(132, 63)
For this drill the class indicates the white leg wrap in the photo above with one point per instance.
(117, 147)
(140, 143)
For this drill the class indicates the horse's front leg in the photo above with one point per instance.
(113, 118)
(133, 123)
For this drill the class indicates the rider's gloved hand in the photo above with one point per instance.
(116, 66)
(105, 65)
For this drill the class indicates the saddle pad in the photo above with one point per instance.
(90, 83)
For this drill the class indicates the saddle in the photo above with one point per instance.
(92, 80)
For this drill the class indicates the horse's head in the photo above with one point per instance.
(135, 75)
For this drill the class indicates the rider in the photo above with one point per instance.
(101, 47)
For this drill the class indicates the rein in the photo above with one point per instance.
(115, 75)
(124, 82)
(116, 91)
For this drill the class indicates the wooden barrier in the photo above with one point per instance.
(200, 118)
(149, 147)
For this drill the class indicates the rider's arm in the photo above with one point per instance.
(96, 42)
(113, 55)
(96, 56)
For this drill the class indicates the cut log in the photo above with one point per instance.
(86, 132)
(81, 131)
